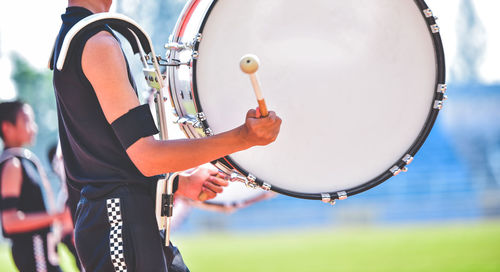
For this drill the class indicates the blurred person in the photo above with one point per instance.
(67, 195)
(111, 156)
(26, 219)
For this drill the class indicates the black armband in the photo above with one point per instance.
(9, 203)
(134, 125)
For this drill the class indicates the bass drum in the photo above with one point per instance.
(357, 83)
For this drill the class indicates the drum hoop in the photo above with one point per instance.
(400, 164)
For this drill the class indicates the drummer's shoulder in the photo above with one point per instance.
(101, 51)
(11, 173)
(102, 42)
(12, 165)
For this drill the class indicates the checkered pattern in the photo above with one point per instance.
(39, 252)
(115, 234)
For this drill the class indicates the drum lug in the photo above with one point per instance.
(438, 104)
(195, 55)
(326, 198)
(201, 116)
(395, 170)
(435, 28)
(197, 39)
(237, 177)
(179, 46)
(250, 181)
(209, 132)
(427, 13)
(342, 195)
(191, 45)
(189, 120)
(407, 159)
(266, 186)
(441, 88)
(175, 46)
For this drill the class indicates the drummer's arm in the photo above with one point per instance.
(105, 67)
(14, 220)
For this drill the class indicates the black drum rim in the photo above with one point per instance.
(400, 163)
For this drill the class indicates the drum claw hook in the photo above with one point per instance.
(326, 198)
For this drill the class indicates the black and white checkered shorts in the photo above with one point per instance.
(118, 232)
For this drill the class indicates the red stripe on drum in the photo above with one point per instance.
(186, 19)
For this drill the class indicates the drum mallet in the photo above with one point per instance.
(249, 64)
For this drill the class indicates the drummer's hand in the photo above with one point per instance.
(204, 178)
(260, 131)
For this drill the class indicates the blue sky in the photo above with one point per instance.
(33, 38)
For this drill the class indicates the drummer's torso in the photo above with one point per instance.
(91, 151)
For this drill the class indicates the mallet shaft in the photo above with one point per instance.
(258, 94)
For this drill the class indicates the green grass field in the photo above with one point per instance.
(452, 247)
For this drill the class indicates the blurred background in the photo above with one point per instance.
(443, 214)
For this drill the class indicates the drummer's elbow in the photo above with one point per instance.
(142, 154)
(145, 170)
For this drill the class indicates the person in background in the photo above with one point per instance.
(26, 201)
(69, 196)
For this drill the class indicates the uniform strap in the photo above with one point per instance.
(118, 22)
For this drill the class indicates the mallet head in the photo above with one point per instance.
(249, 63)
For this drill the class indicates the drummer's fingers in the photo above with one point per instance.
(273, 123)
(208, 193)
(251, 114)
(221, 181)
(273, 117)
(222, 175)
(213, 187)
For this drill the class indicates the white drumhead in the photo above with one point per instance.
(353, 82)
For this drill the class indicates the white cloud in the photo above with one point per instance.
(32, 32)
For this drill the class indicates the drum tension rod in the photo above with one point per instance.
(164, 62)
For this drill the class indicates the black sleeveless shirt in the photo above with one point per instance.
(91, 150)
(31, 197)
